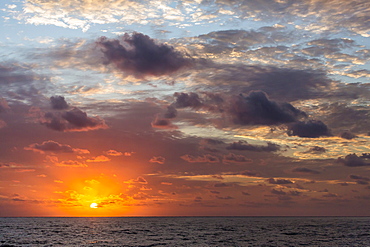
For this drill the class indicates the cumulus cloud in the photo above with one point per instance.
(139, 55)
(244, 145)
(58, 102)
(73, 120)
(257, 109)
(4, 107)
(207, 158)
(234, 158)
(54, 147)
(157, 159)
(353, 160)
(310, 128)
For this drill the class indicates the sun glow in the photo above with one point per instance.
(94, 205)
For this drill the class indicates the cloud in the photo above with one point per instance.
(311, 129)
(100, 158)
(352, 160)
(244, 145)
(52, 146)
(257, 109)
(279, 181)
(207, 158)
(73, 120)
(356, 177)
(157, 159)
(163, 123)
(70, 163)
(113, 153)
(58, 103)
(305, 170)
(140, 180)
(234, 158)
(171, 112)
(187, 100)
(347, 135)
(139, 55)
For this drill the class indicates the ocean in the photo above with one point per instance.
(186, 231)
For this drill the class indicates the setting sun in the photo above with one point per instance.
(94, 205)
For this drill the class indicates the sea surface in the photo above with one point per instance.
(186, 231)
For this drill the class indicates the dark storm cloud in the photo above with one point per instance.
(58, 103)
(73, 120)
(311, 129)
(279, 181)
(244, 145)
(139, 55)
(256, 108)
(352, 160)
(305, 170)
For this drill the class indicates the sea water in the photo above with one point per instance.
(186, 231)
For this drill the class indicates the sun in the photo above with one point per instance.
(94, 205)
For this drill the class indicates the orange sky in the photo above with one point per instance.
(184, 108)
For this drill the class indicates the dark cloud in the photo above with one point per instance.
(257, 108)
(209, 141)
(249, 173)
(347, 135)
(279, 181)
(58, 102)
(187, 100)
(278, 192)
(356, 177)
(305, 170)
(171, 112)
(73, 120)
(234, 158)
(244, 145)
(139, 55)
(224, 197)
(317, 149)
(310, 128)
(52, 146)
(353, 160)
(163, 123)
(200, 159)
(220, 185)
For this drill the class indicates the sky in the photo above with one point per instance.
(184, 108)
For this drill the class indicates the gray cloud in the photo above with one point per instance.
(311, 128)
(139, 55)
(353, 160)
(58, 103)
(256, 108)
(73, 120)
(200, 159)
(234, 158)
(52, 146)
(305, 170)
